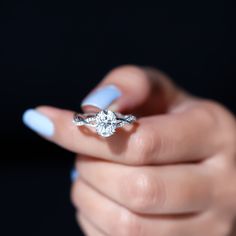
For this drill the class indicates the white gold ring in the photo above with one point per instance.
(104, 121)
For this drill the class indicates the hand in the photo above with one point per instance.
(171, 174)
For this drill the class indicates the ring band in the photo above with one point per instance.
(105, 121)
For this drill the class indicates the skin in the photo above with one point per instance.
(171, 173)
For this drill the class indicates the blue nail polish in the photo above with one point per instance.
(74, 174)
(103, 97)
(38, 122)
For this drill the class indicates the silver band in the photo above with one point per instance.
(104, 121)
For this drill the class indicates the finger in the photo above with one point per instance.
(113, 219)
(171, 138)
(88, 228)
(160, 139)
(134, 89)
(176, 189)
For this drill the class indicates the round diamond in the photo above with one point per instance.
(106, 123)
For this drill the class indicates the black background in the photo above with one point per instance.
(55, 52)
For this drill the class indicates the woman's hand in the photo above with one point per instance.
(172, 174)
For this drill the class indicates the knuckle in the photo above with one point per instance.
(219, 228)
(142, 144)
(127, 224)
(224, 229)
(143, 192)
(216, 224)
(211, 112)
(204, 112)
(223, 225)
(186, 196)
(218, 118)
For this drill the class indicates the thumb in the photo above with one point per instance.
(140, 90)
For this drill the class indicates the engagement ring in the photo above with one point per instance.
(104, 121)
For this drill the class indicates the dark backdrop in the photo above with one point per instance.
(54, 53)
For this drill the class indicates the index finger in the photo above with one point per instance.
(161, 139)
(165, 138)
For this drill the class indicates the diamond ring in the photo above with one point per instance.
(104, 121)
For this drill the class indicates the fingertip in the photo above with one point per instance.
(102, 97)
(38, 122)
(123, 89)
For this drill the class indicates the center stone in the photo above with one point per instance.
(106, 123)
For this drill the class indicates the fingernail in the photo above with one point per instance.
(74, 174)
(102, 98)
(38, 122)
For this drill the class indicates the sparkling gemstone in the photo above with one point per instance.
(106, 123)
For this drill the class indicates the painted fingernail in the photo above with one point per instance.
(74, 174)
(38, 122)
(103, 97)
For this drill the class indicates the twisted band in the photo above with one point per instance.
(104, 121)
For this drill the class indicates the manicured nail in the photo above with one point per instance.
(38, 122)
(74, 174)
(102, 98)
